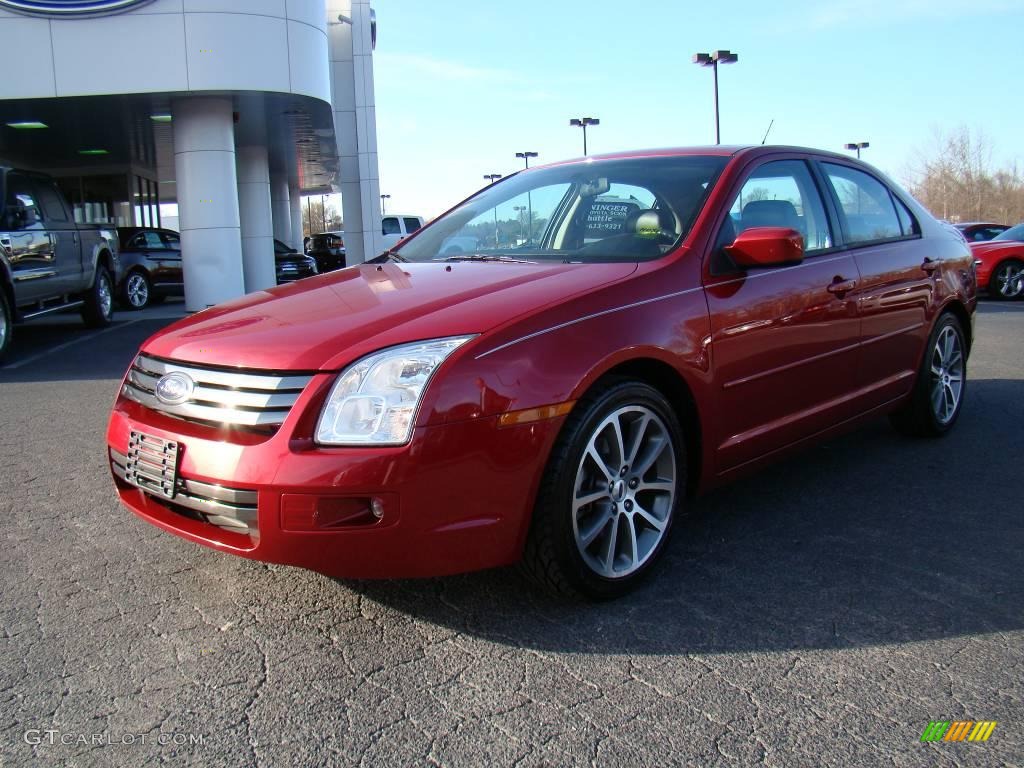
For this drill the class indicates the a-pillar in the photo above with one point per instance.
(295, 201)
(254, 214)
(280, 201)
(204, 165)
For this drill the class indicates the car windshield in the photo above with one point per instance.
(1013, 233)
(605, 211)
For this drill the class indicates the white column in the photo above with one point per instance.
(295, 201)
(204, 165)
(254, 214)
(355, 125)
(280, 201)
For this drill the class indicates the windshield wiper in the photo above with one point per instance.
(485, 257)
(388, 254)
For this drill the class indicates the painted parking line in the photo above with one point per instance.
(66, 344)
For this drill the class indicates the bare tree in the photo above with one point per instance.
(317, 217)
(953, 177)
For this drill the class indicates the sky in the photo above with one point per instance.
(462, 85)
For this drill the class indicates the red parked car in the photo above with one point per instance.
(1000, 264)
(558, 398)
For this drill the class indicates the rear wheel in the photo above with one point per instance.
(611, 490)
(137, 290)
(6, 324)
(1007, 280)
(99, 300)
(938, 393)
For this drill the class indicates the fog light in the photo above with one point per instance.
(306, 512)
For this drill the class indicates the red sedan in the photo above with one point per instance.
(1000, 264)
(632, 329)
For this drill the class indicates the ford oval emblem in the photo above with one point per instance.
(63, 9)
(174, 388)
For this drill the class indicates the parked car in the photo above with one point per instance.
(1000, 264)
(292, 265)
(48, 263)
(398, 226)
(150, 266)
(980, 231)
(558, 402)
(328, 250)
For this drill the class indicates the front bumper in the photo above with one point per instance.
(457, 498)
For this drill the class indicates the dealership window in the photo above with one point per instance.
(866, 205)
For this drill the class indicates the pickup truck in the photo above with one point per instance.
(48, 263)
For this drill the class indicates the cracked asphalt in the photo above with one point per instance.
(820, 613)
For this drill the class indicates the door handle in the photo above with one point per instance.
(840, 287)
(929, 266)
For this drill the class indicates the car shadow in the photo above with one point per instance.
(870, 539)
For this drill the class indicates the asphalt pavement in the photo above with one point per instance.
(820, 613)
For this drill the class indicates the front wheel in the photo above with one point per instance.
(613, 485)
(98, 311)
(938, 393)
(1007, 280)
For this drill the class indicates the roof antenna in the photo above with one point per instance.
(768, 131)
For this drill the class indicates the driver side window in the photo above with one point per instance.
(778, 194)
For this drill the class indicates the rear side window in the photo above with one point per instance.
(390, 226)
(866, 205)
(411, 225)
(171, 240)
(21, 197)
(52, 204)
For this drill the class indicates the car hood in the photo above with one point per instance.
(993, 247)
(325, 322)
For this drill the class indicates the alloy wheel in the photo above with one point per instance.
(106, 299)
(947, 369)
(1009, 280)
(624, 491)
(137, 290)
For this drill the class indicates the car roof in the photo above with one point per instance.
(713, 150)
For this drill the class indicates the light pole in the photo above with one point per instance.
(519, 210)
(529, 198)
(526, 156)
(383, 204)
(712, 60)
(583, 122)
(493, 177)
(858, 146)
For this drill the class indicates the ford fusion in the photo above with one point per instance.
(610, 336)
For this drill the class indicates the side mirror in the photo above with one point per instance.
(767, 247)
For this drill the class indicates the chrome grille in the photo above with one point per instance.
(219, 396)
(232, 509)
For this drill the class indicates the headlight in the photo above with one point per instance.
(375, 400)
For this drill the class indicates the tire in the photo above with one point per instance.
(98, 311)
(6, 324)
(137, 291)
(585, 510)
(941, 384)
(1007, 280)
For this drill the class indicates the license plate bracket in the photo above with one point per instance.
(152, 464)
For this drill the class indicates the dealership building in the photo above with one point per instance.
(230, 109)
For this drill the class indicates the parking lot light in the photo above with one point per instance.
(492, 177)
(858, 146)
(526, 156)
(712, 60)
(583, 122)
(383, 204)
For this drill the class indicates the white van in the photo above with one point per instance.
(396, 226)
